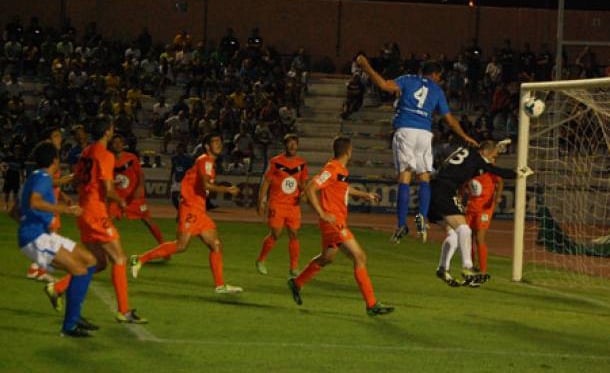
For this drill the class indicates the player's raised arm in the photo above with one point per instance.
(386, 85)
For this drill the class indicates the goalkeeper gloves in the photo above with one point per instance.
(525, 171)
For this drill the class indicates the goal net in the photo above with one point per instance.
(562, 211)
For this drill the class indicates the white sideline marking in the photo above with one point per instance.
(138, 330)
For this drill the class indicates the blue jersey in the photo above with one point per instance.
(74, 155)
(181, 164)
(34, 222)
(419, 98)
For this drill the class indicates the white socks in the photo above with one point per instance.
(464, 237)
(448, 249)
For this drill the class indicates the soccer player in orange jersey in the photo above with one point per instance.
(331, 206)
(94, 177)
(193, 221)
(484, 193)
(280, 192)
(129, 186)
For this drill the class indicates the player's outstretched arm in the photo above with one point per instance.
(371, 197)
(38, 203)
(455, 126)
(386, 85)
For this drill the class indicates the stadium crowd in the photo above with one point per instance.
(251, 94)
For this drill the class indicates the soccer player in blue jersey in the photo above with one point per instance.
(418, 97)
(48, 249)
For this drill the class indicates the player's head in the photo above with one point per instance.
(117, 144)
(342, 146)
(213, 143)
(432, 69)
(45, 154)
(489, 149)
(181, 148)
(291, 144)
(53, 134)
(79, 133)
(102, 128)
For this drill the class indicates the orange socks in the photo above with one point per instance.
(294, 248)
(483, 258)
(119, 280)
(164, 250)
(308, 273)
(215, 258)
(156, 232)
(268, 244)
(62, 284)
(364, 283)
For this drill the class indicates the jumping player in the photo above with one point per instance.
(418, 98)
(280, 192)
(446, 209)
(48, 249)
(193, 219)
(94, 177)
(129, 186)
(331, 206)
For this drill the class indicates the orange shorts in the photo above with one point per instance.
(96, 228)
(479, 219)
(280, 216)
(194, 221)
(334, 234)
(136, 209)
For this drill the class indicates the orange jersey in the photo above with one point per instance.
(285, 175)
(95, 165)
(191, 189)
(481, 192)
(333, 185)
(127, 172)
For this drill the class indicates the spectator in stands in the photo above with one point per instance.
(242, 153)
(287, 117)
(354, 97)
(81, 139)
(176, 129)
(229, 44)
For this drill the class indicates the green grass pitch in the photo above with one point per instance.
(500, 327)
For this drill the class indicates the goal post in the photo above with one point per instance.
(562, 211)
